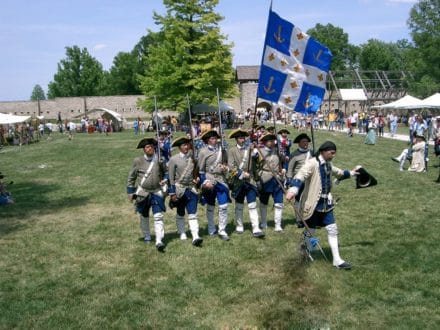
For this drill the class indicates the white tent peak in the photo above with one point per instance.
(403, 103)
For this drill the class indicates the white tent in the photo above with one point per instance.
(6, 119)
(405, 102)
(432, 101)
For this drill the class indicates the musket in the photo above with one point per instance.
(157, 128)
(222, 141)
(193, 153)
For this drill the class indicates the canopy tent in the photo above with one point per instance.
(205, 108)
(117, 119)
(405, 102)
(6, 119)
(432, 101)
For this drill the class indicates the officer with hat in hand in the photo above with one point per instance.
(316, 202)
(270, 174)
(145, 183)
(241, 163)
(213, 169)
(182, 190)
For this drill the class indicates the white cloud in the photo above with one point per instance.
(99, 47)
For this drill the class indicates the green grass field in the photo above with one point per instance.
(71, 255)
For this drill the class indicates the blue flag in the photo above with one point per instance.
(294, 67)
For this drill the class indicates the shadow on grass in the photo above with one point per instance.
(34, 199)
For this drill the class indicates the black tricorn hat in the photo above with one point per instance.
(302, 136)
(270, 128)
(209, 134)
(238, 133)
(283, 130)
(364, 179)
(268, 137)
(179, 141)
(142, 143)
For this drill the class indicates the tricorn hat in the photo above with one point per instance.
(268, 137)
(270, 128)
(301, 137)
(209, 134)
(238, 133)
(283, 130)
(145, 141)
(179, 141)
(364, 179)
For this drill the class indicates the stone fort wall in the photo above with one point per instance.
(74, 107)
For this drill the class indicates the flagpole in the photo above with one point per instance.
(313, 135)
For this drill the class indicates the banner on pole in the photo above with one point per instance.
(294, 67)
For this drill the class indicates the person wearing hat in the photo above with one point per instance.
(416, 155)
(145, 183)
(182, 189)
(213, 169)
(164, 144)
(316, 202)
(269, 172)
(299, 156)
(241, 165)
(284, 145)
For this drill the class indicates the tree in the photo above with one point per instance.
(79, 74)
(344, 54)
(122, 78)
(192, 57)
(380, 55)
(38, 93)
(424, 23)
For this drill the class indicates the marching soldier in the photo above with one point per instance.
(213, 170)
(270, 175)
(241, 167)
(145, 185)
(182, 190)
(284, 145)
(299, 156)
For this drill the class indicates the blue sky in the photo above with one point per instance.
(34, 34)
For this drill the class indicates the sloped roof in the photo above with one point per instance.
(248, 72)
(12, 119)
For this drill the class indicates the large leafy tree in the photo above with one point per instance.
(424, 23)
(344, 54)
(192, 58)
(38, 93)
(79, 74)
(123, 76)
(380, 55)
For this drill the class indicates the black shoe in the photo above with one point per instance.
(160, 247)
(197, 242)
(213, 234)
(224, 237)
(345, 265)
(259, 234)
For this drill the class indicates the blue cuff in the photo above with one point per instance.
(239, 173)
(131, 190)
(172, 189)
(202, 177)
(346, 175)
(296, 183)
